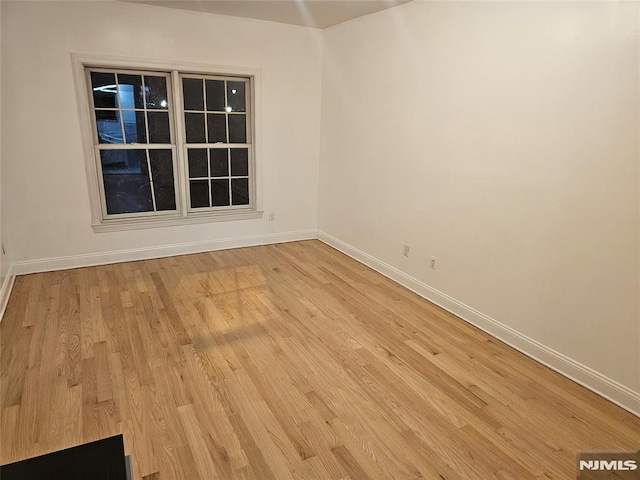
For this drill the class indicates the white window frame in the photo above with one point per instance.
(184, 215)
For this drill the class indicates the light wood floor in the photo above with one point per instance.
(280, 362)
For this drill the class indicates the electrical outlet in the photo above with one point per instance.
(405, 251)
(433, 263)
(272, 217)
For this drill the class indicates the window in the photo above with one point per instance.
(134, 142)
(169, 145)
(217, 145)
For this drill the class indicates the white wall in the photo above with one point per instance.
(501, 138)
(45, 189)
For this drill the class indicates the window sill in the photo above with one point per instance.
(119, 225)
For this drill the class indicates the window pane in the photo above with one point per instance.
(217, 127)
(220, 193)
(162, 174)
(194, 124)
(126, 181)
(193, 94)
(135, 129)
(109, 128)
(199, 190)
(237, 128)
(130, 91)
(159, 127)
(239, 162)
(104, 90)
(236, 96)
(197, 162)
(240, 191)
(215, 95)
(156, 88)
(219, 162)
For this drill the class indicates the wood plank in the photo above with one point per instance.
(288, 361)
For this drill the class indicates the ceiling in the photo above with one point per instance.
(310, 13)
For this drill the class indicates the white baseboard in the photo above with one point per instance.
(585, 376)
(5, 290)
(92, 259)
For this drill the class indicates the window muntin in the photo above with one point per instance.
(131, 107)
(138, 180)
(218, 146)
(139, 164)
